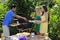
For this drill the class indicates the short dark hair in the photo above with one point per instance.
(13, 6)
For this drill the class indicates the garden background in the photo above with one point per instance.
(26, 7)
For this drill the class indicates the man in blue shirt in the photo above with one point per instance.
(8, 19)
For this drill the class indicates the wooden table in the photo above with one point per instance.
(37, 37)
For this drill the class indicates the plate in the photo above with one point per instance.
(24, 33)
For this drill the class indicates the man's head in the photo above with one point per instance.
(13, 7)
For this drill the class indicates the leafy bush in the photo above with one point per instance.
(54, 27)
(3, 9)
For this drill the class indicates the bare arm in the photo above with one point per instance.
(17, 16)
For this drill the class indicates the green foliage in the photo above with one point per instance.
(3, 9)
(25, 6)
(54, 22)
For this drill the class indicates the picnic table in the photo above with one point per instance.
(36, 37)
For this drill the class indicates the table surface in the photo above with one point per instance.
(37, 37)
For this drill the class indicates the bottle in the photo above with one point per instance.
(2, 37)
(32, 35)
(46, 36)
(17, 22)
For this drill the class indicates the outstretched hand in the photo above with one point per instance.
(17, 16)
(24, 18)
(37, 22)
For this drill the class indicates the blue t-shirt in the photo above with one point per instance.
(8, 18)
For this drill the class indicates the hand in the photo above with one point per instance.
(30, 20)
(33, 21)
(37, 22)
(13, 25)
(24, 18)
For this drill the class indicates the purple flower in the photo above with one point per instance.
(22, 38)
